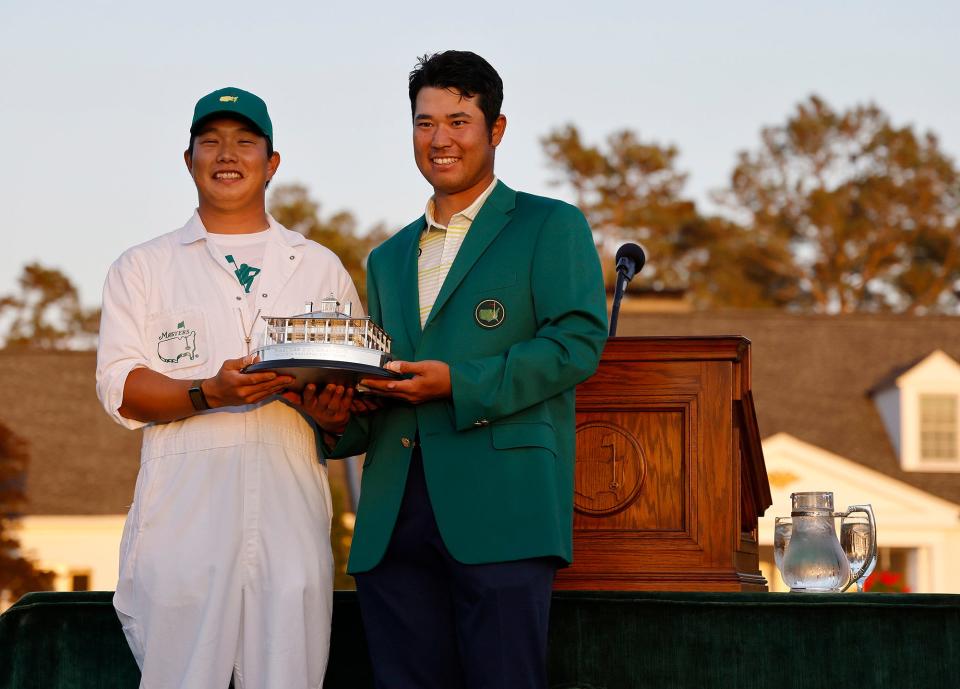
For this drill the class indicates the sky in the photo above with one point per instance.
(96, 97)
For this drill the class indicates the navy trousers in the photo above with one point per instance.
(435, 623)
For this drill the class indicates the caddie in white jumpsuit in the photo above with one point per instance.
(225, 562)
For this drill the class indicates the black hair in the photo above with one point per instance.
(465, 72)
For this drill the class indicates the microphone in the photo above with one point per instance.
(630, 260)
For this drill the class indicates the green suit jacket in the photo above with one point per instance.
(520, 319)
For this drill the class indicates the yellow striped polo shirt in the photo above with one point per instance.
(439, 245)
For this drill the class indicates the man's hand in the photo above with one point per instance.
(330, 408)
(430, 381)
(151, 396)
(231, 387)
(365, 404)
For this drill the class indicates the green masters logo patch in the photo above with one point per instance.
(489, 313)
(173, 345)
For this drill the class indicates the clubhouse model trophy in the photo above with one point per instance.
(324, 346)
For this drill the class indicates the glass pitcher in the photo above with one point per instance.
(814, 561)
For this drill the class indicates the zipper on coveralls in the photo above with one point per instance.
(247, 332)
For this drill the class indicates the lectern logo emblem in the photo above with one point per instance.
(610, 469)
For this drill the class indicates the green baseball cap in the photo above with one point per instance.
(234, 102)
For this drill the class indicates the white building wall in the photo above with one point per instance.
(74, 544)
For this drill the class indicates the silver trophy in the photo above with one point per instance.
(324, 346)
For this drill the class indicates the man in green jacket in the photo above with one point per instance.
(496, 305)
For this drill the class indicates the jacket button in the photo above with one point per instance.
(406, 442)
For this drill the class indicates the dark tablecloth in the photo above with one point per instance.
(597, 641)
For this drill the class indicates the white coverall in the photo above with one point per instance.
(225, 561)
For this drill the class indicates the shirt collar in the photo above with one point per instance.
(194, 230)
(470, 212)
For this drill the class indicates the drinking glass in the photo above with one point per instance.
(782, 531)
(855, 539)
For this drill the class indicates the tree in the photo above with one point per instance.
(293, 208)
(847, 212)
(630, 190)
(17, 574)
(47, 313)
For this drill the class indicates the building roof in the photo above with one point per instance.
(812, 375)
(81, 462)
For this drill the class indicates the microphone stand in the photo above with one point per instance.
(622, 281)
(630, 260)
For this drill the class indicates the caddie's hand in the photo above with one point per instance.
(430, 381)
(365, 404)
(231, 387)
(329, 407)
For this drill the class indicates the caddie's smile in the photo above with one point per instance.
(228, 176)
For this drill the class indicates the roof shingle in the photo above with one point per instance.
(81, 462)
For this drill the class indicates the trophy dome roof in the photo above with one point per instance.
(329, 308)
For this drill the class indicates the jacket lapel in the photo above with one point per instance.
(408, 281)
(492, 218)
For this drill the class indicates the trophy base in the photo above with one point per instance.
(320, 372)
(811, 589)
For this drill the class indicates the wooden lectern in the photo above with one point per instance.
(670, 478)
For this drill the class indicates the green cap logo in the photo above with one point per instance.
(233, 102)
(489, 313)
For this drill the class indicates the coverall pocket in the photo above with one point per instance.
(179, 340)
(143, 495)
(132, 633)
(124, 599)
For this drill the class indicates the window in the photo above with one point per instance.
(938, 427)
(921, 413)
(80, 581)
